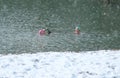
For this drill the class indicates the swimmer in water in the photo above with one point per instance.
(77, 30)
(44, 31)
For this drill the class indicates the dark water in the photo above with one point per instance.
(20, 21)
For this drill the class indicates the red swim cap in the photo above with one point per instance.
(42, 32)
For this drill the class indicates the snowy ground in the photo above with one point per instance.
(92, 64)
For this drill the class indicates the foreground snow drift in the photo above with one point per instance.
(94, 64)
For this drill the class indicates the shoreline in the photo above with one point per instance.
(90, 64)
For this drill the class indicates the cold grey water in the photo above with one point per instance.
(21, 20)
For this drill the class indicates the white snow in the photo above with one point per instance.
(91, 64)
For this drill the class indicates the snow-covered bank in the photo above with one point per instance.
(93, 64)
